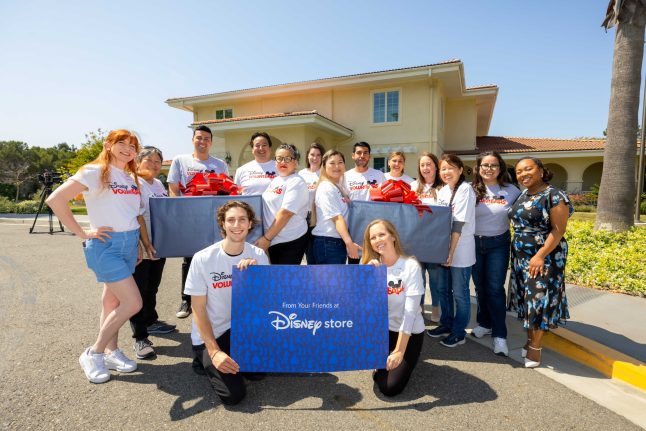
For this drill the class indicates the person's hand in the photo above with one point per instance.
(536, 266)
(449, 260)
(224, 364)
(374, 262)
(140, 253)
(353, 250)
(246, 263)
(150, 251)
(263, 243)
(101, 233)
(394, 360)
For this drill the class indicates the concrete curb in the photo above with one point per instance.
(609, 362)
(42, 222)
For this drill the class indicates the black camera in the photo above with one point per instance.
(48, 178)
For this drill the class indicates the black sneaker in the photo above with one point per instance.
(452, 341)
(184, 310)
(160, 327)
(438, 332)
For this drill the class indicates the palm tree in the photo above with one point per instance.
(617, 190)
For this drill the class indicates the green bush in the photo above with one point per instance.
(6, 205)
(585, 209)
(642, 207)
(607, 260)
(27, 207)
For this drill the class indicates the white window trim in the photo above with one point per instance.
(372, 107)
(215, 112)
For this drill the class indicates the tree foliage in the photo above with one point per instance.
(88, 152)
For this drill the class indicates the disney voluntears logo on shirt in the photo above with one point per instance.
(278, 190)
(221, 280)
(123, 189)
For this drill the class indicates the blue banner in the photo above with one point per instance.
(297, 318)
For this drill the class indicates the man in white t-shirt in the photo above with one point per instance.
(182, 170)
(359, 180)
(209, 284)
(254, 177)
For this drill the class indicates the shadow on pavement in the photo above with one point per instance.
(613, 340)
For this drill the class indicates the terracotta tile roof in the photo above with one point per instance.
(167, 162)
(509, 144)
(455, 60)
(265, 116)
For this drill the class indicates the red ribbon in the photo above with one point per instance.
(398, 191)
(209, 185)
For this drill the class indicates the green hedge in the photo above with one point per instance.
(606, 260)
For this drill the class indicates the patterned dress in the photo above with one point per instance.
(539, 301)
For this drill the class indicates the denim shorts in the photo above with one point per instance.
(115, 259)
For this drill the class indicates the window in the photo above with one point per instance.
(221, 114)
(379, 163)
(385, 107)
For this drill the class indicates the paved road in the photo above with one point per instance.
(49, 306)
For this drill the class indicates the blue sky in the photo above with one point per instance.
(71, 67)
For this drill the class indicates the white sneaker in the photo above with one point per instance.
(93, 365)
(480, 332)
(500, 346)
(116, 360)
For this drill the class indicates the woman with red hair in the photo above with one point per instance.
(110, 187)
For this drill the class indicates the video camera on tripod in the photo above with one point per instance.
(48, 179)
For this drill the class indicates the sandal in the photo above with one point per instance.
(532, 364)
(523, 350)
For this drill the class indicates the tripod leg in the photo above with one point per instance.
(43, 196)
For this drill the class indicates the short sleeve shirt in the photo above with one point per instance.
(463, 206)
(358, 184)
(254, 177)
(491, 210)
(329, 203)
(185, 166)
(404, 279)
(289, 193)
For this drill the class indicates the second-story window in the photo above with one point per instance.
(221, 114)
(385, 106)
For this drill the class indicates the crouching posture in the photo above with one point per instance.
(209, 284)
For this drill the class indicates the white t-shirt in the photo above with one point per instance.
(358, 183)
(329, 203)
(289, 193)
(464, 209)
(154, 190)
(185, 166)
(425, 196)
(405, 281)
(116, 204)
(254, 177)
(405, 178)
(311, 179)
(210, 275)
(491, 211)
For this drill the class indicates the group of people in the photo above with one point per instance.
(305, 214)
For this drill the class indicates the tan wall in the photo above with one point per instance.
(460, 121)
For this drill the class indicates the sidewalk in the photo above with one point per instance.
(42, 224)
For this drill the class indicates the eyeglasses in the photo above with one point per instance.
(486, 166)
(286, 159)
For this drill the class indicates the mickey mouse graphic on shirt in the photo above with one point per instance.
(395, 288)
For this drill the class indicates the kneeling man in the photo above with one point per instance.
(209, 284)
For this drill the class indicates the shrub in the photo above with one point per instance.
(606, 260)
(6, 205)
(27, 207)
(582, 199)
(585, 209)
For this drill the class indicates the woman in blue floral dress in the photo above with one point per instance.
(539, 218)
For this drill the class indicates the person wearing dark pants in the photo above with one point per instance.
(285, 205)
(209, 283)
(393, 382)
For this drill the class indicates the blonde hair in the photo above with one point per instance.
(368, 252)
(397, 153)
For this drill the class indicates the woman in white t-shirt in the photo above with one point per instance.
(285, 204)
(382, 246)
(494, 196)
(426, 186)
(396, 165)
(110, 186)
(311, 177)
(148, 273)
(456, 272)
(332, 243)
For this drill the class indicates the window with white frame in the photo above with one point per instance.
(385, 106)
(221, 114)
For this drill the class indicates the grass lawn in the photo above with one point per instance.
(591, 216)
(78, 209)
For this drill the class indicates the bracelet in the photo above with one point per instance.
(216, 352)
(266, 238)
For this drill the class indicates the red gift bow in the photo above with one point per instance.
(398, 191)
(211, 184)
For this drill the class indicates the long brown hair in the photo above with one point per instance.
(323, 175)
(368, 252)
(421, 182)
(104, 158)
(478, 183)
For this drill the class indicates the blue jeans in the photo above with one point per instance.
(454, 286)
(327, 250)
(489, 273)
(433, 270)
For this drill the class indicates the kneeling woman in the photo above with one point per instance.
(381, 245)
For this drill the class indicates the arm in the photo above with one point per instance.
(221, 361)
(397, 356)
(143, 233)
(558, 220)
(455, 237)
(58, 200)
(282, 217)
(342, 228)
(173, 190)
